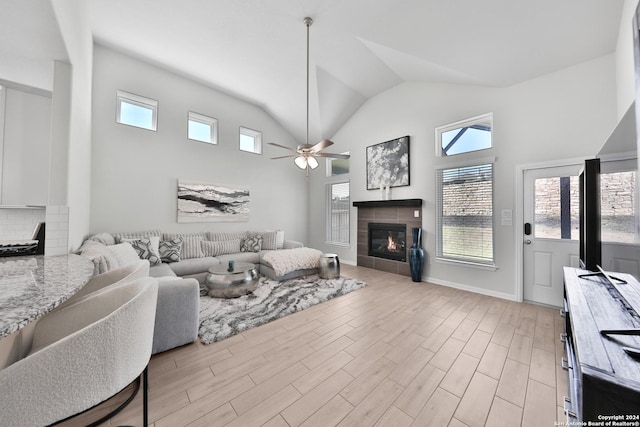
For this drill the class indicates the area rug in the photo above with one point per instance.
(221, 318)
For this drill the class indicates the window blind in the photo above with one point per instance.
(338, 227)
(465, 214)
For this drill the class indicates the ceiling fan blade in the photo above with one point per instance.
(321, 145)
(282, 146)
(284, 157)
(333, 156)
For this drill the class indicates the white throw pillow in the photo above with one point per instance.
(123, 253)
(146, 248)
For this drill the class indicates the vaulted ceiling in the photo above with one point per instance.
(256, 49)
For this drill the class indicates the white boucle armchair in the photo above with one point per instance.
(177, 309)
(81, 355)
(127, 273)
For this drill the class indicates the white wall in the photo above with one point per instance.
(135, 171)
(25, 148)
(625, 76)
(562, 115)
(74, 108)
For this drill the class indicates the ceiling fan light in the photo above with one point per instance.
(301, 162)
(313, 163)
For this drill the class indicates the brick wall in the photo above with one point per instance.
(617, 196)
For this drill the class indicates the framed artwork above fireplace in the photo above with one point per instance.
(388, 164)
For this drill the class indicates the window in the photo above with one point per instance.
(465, 136)
(618, 207)
(337, 166)
(465, 214)
(202, 128)
(556, 204)
(338, 213)
(135, 110)
(250, 140)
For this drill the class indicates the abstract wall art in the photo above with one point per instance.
(202, 202)
(388, 164)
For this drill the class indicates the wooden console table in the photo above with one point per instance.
(604, 379)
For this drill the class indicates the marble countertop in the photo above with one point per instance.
(31, 286)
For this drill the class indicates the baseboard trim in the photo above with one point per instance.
(347, 262)
(468, 288)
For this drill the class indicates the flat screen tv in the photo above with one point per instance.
(590, 243)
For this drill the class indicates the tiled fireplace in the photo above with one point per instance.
(384, 233)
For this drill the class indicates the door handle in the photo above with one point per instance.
(527, 242)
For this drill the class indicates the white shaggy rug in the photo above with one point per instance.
(221, 318)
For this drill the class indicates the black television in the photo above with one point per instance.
(590, 240)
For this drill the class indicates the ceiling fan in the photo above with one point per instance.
(305, 154)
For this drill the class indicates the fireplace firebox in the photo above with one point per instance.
(388, 241)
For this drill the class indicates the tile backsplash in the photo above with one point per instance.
(57, 231)
(19, 223)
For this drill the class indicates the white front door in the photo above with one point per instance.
(551, 237)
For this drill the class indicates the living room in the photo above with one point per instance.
(117, 178)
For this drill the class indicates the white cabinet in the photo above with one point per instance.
(25, 144)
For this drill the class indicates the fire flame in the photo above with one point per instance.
(392, 246)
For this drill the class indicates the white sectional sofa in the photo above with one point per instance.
(180, 262)
(190, 255)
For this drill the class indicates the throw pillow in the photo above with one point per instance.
(170, 250)
(146, 248)
(191, 247)
(101, 257)
(252, 244)
(123, 253)
(269, 239)
(220, 248)
(279, 239)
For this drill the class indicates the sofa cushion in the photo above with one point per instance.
(190, 244)
(136, 235)
(193, 265)
(170, 249)
(104, 238)
(161, 270)
(265, 270)
(215, 236)
(252, 257)
(288, 260)
(252, 244)
(220, 248)
(146, 248)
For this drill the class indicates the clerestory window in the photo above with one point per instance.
(465, 136)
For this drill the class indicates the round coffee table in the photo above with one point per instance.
(222, 283)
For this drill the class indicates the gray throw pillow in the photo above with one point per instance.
(170, 250)
(146, 248)
(252, 244)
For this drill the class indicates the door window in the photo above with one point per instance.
(557, 208)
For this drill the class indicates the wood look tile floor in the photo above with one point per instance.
(395, 353)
